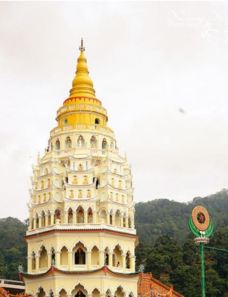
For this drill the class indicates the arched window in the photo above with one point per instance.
(104, 144)
(81, 141)
(129, 222)
(49, 218)
(117, 252)
(68, 142)
(62, 293)
(117, 197)
(122, 199)
(80, 254)
(118, 218)
(37, 221)
(70, 216)
(79, 193)
(96, 293)
(57, 144)
(103, 217)
(88, 194)
(52, 257)
(75, 180)
(108, 293)
(124, 220)
(49, 183)
(80, 215)
(42, 185)
(80, 167)
(97, 121)
(93, 142)
(95, 256)
(57, 216)
(45, 197)
(120, 184)
(43, 260)
(119, 292)
(85, 180)
(111, 217)
(106, 257)
(128, 262)
(79, 291)
(41, 292)
(90, 216)
(71, 193)
(33, 261)
(64, 256)
(42, 219)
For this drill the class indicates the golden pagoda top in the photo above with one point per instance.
(82, 107)
(82, 85)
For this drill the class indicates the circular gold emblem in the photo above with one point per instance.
(200, 218)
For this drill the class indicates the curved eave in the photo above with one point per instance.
(54, 270)
(113, 232)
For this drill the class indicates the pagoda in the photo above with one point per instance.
(81, 236)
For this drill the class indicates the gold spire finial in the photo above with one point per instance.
(81, 47)
(82, 85)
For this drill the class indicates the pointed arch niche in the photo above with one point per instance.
(62, 293)
(96, 293)
(43, 259)
(95, 256)
(119, 292)
(64, 256)
(79, 252)
(40, 292)
(79, 291)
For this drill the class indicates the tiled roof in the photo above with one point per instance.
(148, 286)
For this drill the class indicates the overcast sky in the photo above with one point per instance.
(160, 69)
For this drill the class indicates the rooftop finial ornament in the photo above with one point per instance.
(81, 47)
(201, 226)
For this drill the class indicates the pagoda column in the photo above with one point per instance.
(46, 220)
(29, 264)
(70, 260)
(85, 217)
(65, 217)
(49, 260)
(121, 221)
(101, 258)
(110, 259)
(132, 263)
(52, 218)
(39, 224)
(57, 260)
(74, 217)
(37, 262)
(88, 258)
(123, 260)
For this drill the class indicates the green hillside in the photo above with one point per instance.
(12, 247)
(164, 217)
